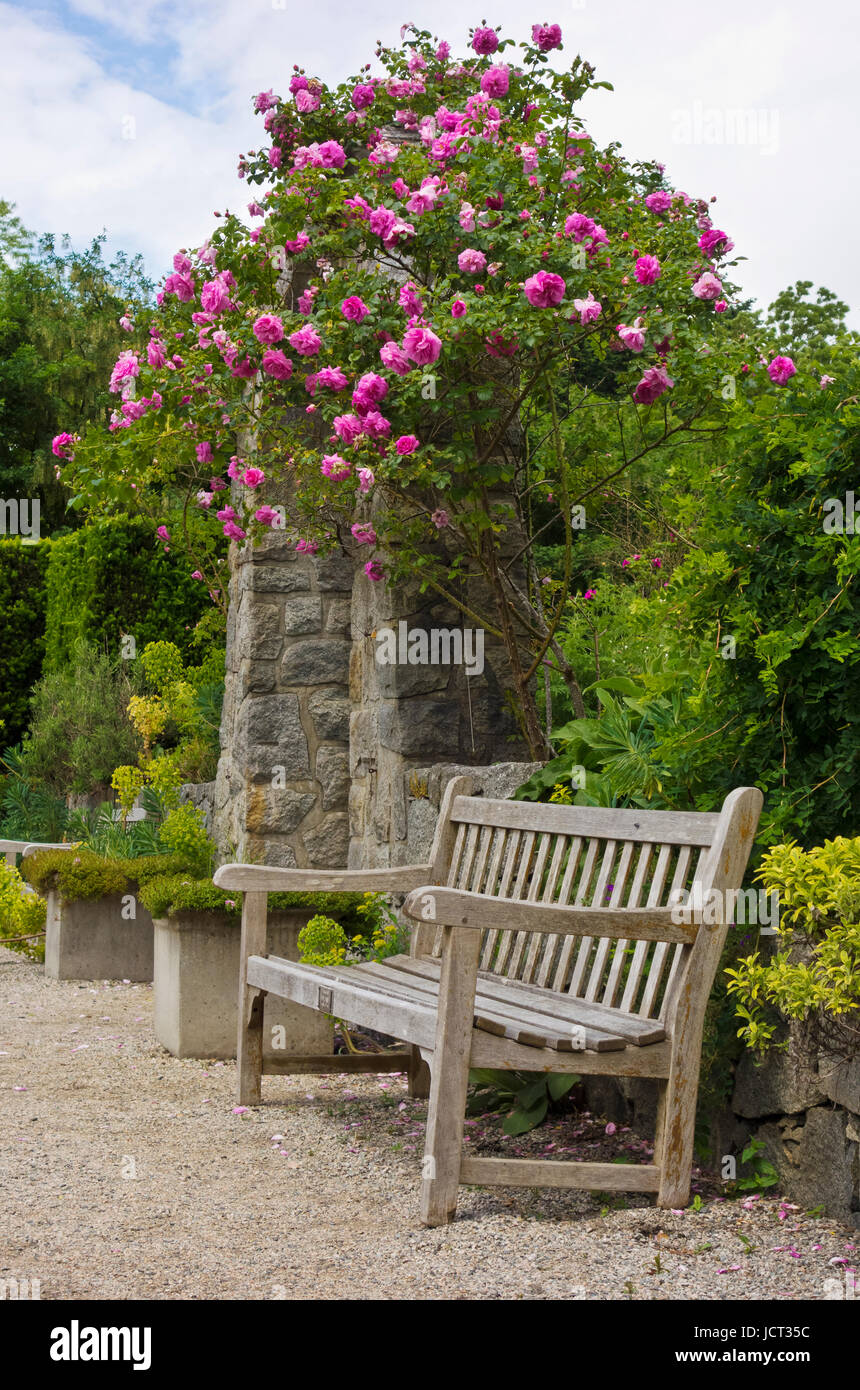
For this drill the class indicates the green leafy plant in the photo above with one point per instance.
(22, 915)
(814, 975)
(762, 1175)
(527, 1096)
(79, 873)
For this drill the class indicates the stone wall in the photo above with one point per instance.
(281, 793)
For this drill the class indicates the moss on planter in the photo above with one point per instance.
(82, 874)
(173, 894)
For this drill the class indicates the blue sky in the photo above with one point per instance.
(130, 116)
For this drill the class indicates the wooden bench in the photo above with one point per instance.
(545, 940)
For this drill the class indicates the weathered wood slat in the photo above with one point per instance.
(589, 860)
(294, 1064)
(260, 878)
(537, 1172)
(650, 993)
(674, 827)
(533, 1027)
(563, 1008)
(655, 896)
(456, 908)
(619, 959)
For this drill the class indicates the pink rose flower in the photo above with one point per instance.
(306, 341)
(268, 328)
(267, 515)
(409, 299)
(381, 222)
(485, 41)
(440, 518)
(647, 270)
(364, 533)
(333, 378)
(588, 309)
(181, 284)
(708, 286)
(214, 296)
(376, 424)
(471, 262)
(307, 101)
(633, 335)
(155, 354)
(780, 370)
(163, 533)
(546, 36)
(495, 82)
(354, 309)
(544, 289)
(458, 308)
(304, 547)
(720, 306)
(263, 100)
(407, 444)
(217, 484)
(204, 499)
(370, 389)
(421, 345)
(366, 479)
(252, 477)
(659, 201)
(233, 532)
(126, 365)
(347, 428)
(373, 570)
(655, 381)
(332, 154)
(277, 364)
(204, 452)
(297, 244)
(362, 95)
(195, 574)
(62, 446)
(393, 357)
(715, 242)
(335, 467)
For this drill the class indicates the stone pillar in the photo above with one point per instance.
(405, 716)
(281, 793)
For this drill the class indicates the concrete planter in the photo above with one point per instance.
(98, 939)
(196, 982)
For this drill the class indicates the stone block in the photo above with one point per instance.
(302, 614)
(327, 844)
(418, 728)
(276, 810)
(334, 572)
(273, 579)
(786, 1083)
(196, 988)
(332, 773)
(315, 662)
(260, 634)
(329, 711)
(339, 616)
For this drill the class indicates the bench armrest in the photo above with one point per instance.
(453, 907)
(260, 878)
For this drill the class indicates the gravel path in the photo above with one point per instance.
(126, 1174)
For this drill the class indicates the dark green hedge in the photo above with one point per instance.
(80, 873)
(22, 647)
(111, 578)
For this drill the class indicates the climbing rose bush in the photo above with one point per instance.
(438, 255)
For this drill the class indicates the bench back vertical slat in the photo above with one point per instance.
(581, 857)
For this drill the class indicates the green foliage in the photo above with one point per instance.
(79, 873)
(28, 812)
(59, 335)
(322, 942)
(113, 579)
(22, 604)
(763, 1174)
(527, 1096)
(815, 973)
(22, 915)
(101, 832)
(183, 831)
(79, 730)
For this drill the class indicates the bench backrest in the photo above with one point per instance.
(592, 857)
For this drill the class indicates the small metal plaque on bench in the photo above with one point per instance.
(325, 1005)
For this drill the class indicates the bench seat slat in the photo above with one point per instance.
(601, 822)
(637, 1032)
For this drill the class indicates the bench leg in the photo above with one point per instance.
(418, 1075)
(249, 1046)
(449, 1075)
(673, 1146)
